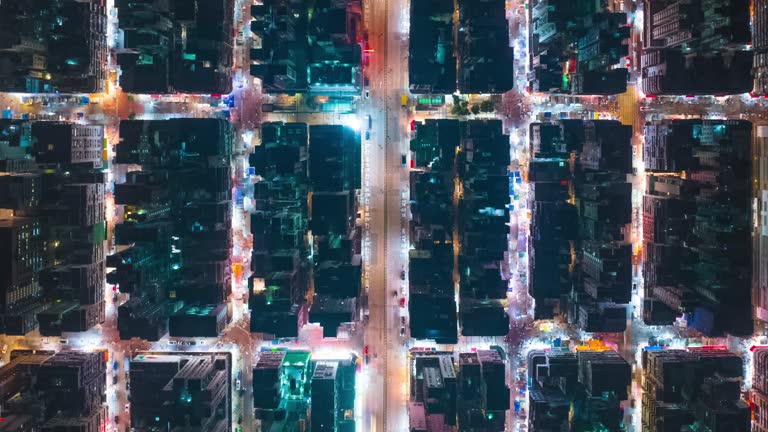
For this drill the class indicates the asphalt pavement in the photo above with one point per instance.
(386, 394)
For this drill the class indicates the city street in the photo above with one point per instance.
(382, 119)
(385, 398)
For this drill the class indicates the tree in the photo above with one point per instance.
(460, 106)
(475, 109)
(487, 106)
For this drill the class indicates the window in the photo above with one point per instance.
(764, 214)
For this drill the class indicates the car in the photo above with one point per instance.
(365, 350)
(394, 293)
(402, 302)
(402, 320)
(63, 341)
(367, 359)
(370, 122)
(403, 160)
(367, 94)
(367, 135)
(117, 419)
(127, 407)
(402, 331)
(114, 379)
(402, 275)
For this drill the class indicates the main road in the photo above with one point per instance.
(386, 393)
